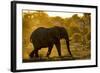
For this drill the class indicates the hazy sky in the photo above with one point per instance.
(61, 14)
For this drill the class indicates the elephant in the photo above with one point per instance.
(47, 37)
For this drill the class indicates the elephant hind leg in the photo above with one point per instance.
(32, 54)
(36, 53)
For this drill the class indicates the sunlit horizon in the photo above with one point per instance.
(54, 14)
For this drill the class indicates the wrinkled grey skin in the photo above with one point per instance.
(47, 37)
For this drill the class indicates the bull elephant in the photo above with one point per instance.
(47, 37)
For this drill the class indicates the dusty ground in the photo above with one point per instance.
(79, 52)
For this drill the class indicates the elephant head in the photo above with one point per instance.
(62, 33)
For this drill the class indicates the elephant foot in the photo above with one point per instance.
(47, 56)
(31, 56)
(73, 58)
(36, 55)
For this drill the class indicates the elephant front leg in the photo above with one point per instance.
(58, 46)
(49, 50)
(36, 53)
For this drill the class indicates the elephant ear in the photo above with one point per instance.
(55, 34)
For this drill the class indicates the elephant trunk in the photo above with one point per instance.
(68, 45)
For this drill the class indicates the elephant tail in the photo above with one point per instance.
(31, 38)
